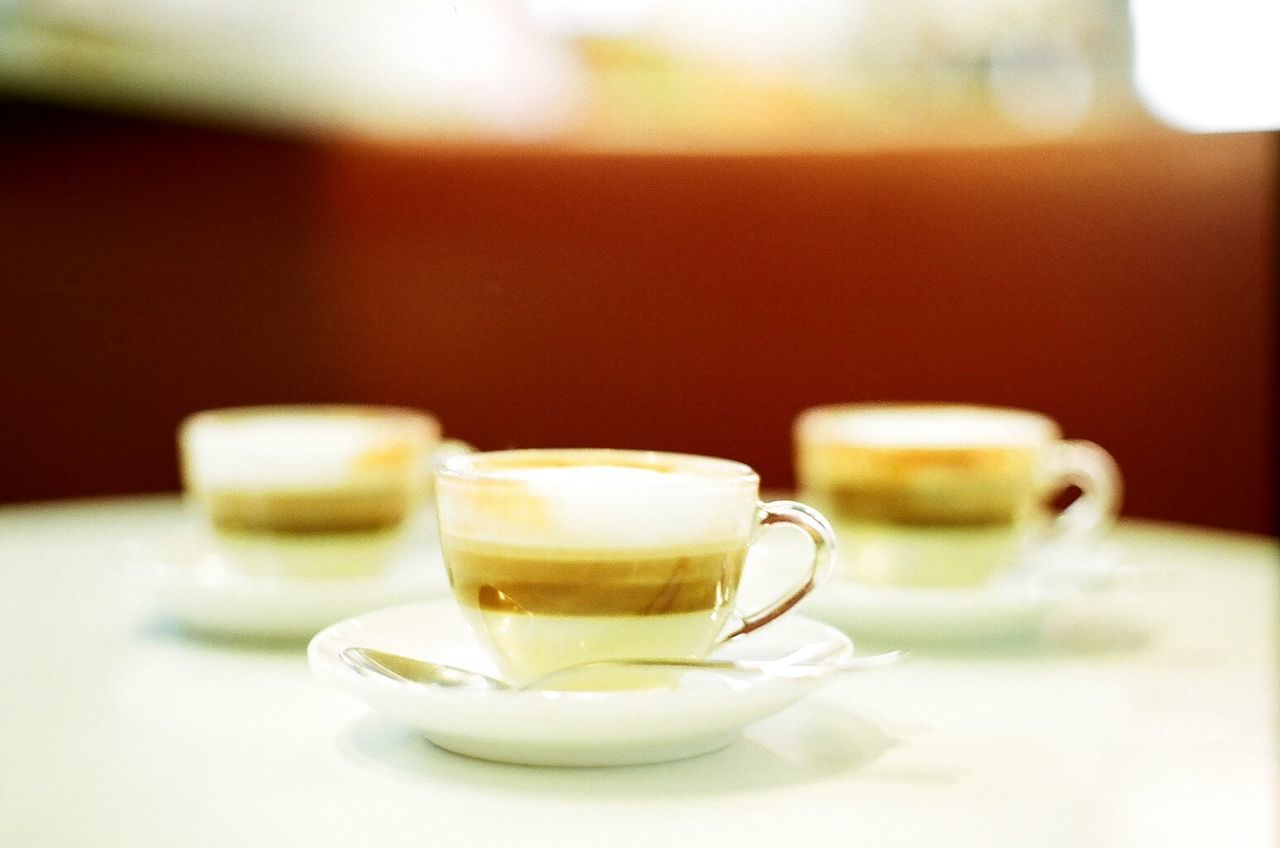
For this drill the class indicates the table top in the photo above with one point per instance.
(1147, 716)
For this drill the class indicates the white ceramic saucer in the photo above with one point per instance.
(705, 711)
(1013, 607)
(183, 581)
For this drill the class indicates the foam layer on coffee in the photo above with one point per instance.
(300, 451)
(927, 427)
(599, 506)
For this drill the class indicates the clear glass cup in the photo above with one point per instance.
(560, 557)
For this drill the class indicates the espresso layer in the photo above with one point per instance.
(651, 582)
(921, 486)
(969, 507)
(303, 511)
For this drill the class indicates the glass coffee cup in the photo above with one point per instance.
(950, 494)
(559, 557)
(308, 491)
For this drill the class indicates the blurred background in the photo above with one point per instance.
(645, 223)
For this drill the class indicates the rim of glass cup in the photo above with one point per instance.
(343, 410)
(412, 419)
(489, 465)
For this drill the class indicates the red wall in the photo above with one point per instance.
(677, 302)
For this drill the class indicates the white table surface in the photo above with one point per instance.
(1149, 718)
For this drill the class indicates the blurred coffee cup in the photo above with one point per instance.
(949, 494)
(309, 490)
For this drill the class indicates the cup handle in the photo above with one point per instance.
(819, 531)
(1090, 468)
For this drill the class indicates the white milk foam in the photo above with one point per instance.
(286, 451)
(932, 427)
(597, 507)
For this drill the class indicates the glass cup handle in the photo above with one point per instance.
(1090, 468)
(820, 533)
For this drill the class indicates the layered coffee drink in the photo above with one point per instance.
(563, 557)
(927, 494)
(308, 491)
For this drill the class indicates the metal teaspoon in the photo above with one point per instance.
(410, 670)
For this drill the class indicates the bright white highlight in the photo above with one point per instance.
(1209, 67)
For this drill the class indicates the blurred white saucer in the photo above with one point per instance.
(704, 712)
(1014, 606)
(183, 581)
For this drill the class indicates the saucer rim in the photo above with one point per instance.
(987, 611)
(171, 588)
(847, 649)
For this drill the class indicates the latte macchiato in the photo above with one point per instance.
(563, 557)
(946, 495)
(307, 491)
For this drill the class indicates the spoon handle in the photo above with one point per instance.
(768, 668)
(409, 670)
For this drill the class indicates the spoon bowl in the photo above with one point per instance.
(424, 673)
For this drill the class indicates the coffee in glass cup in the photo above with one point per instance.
(560, 557)
(949, 494)
(308, 491)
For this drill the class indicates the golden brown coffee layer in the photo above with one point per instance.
(834, 461)
(921, 486)
(972, 507)
(599, 583)
(341, 511)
